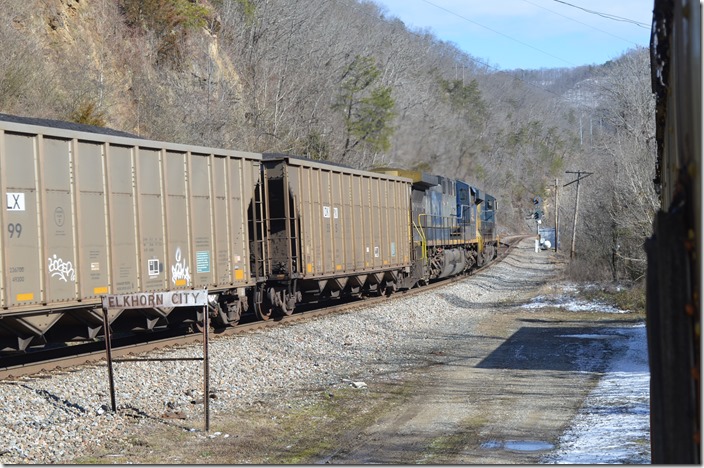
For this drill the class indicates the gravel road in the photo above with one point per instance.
(460, 375)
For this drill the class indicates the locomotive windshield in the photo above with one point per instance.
(488, 213)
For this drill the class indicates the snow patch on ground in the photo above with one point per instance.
(613, 426)
(567, 300)
(572, 304)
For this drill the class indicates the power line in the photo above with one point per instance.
(535, 85)
(580, 22)
(485, 64)
(606, 15)
(498, 32)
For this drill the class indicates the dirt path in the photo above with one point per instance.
(489, 407)
(504, 392)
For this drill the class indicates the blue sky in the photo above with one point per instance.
(530, 34)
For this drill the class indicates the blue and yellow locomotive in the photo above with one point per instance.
(453, 226)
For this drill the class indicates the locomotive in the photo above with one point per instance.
(93, 212)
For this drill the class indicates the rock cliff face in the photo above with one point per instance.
(90, 62)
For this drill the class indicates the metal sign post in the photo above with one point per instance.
(206, 378)
(108, 352)
(181, 298)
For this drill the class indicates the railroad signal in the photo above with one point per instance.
(537, 207)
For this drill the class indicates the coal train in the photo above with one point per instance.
(92, 212)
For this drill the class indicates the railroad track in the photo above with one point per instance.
(58, 359)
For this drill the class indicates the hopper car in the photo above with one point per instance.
(90, 212)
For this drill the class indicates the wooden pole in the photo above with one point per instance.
(574, 224)
(576, 205)
(557, 211)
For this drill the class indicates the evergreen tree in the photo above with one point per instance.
(368, 107)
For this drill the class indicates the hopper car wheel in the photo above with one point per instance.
(263, 312)
(286, 307)
(390, 289)
(198, 327)
(227, 313)
(282, 300)
(289, 302)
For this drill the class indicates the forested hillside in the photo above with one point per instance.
(342, 81)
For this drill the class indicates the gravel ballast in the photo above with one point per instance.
(58, 417)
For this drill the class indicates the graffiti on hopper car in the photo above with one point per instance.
(61, 269)
(179, 271)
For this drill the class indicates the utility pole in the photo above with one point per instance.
(557, 210)
(580, 175)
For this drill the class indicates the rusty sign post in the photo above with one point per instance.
(182, 298)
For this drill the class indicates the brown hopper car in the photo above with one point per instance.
(89, 214)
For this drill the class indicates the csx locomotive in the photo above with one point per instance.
(92, 212)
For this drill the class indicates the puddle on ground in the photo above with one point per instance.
(518, 445)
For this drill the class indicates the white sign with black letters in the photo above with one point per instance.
(183, 298)
(15, 201)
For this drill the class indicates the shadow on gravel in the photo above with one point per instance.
(456, 301)
(555, 348)
(530, 279)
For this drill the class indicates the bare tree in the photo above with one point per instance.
(629, 114)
